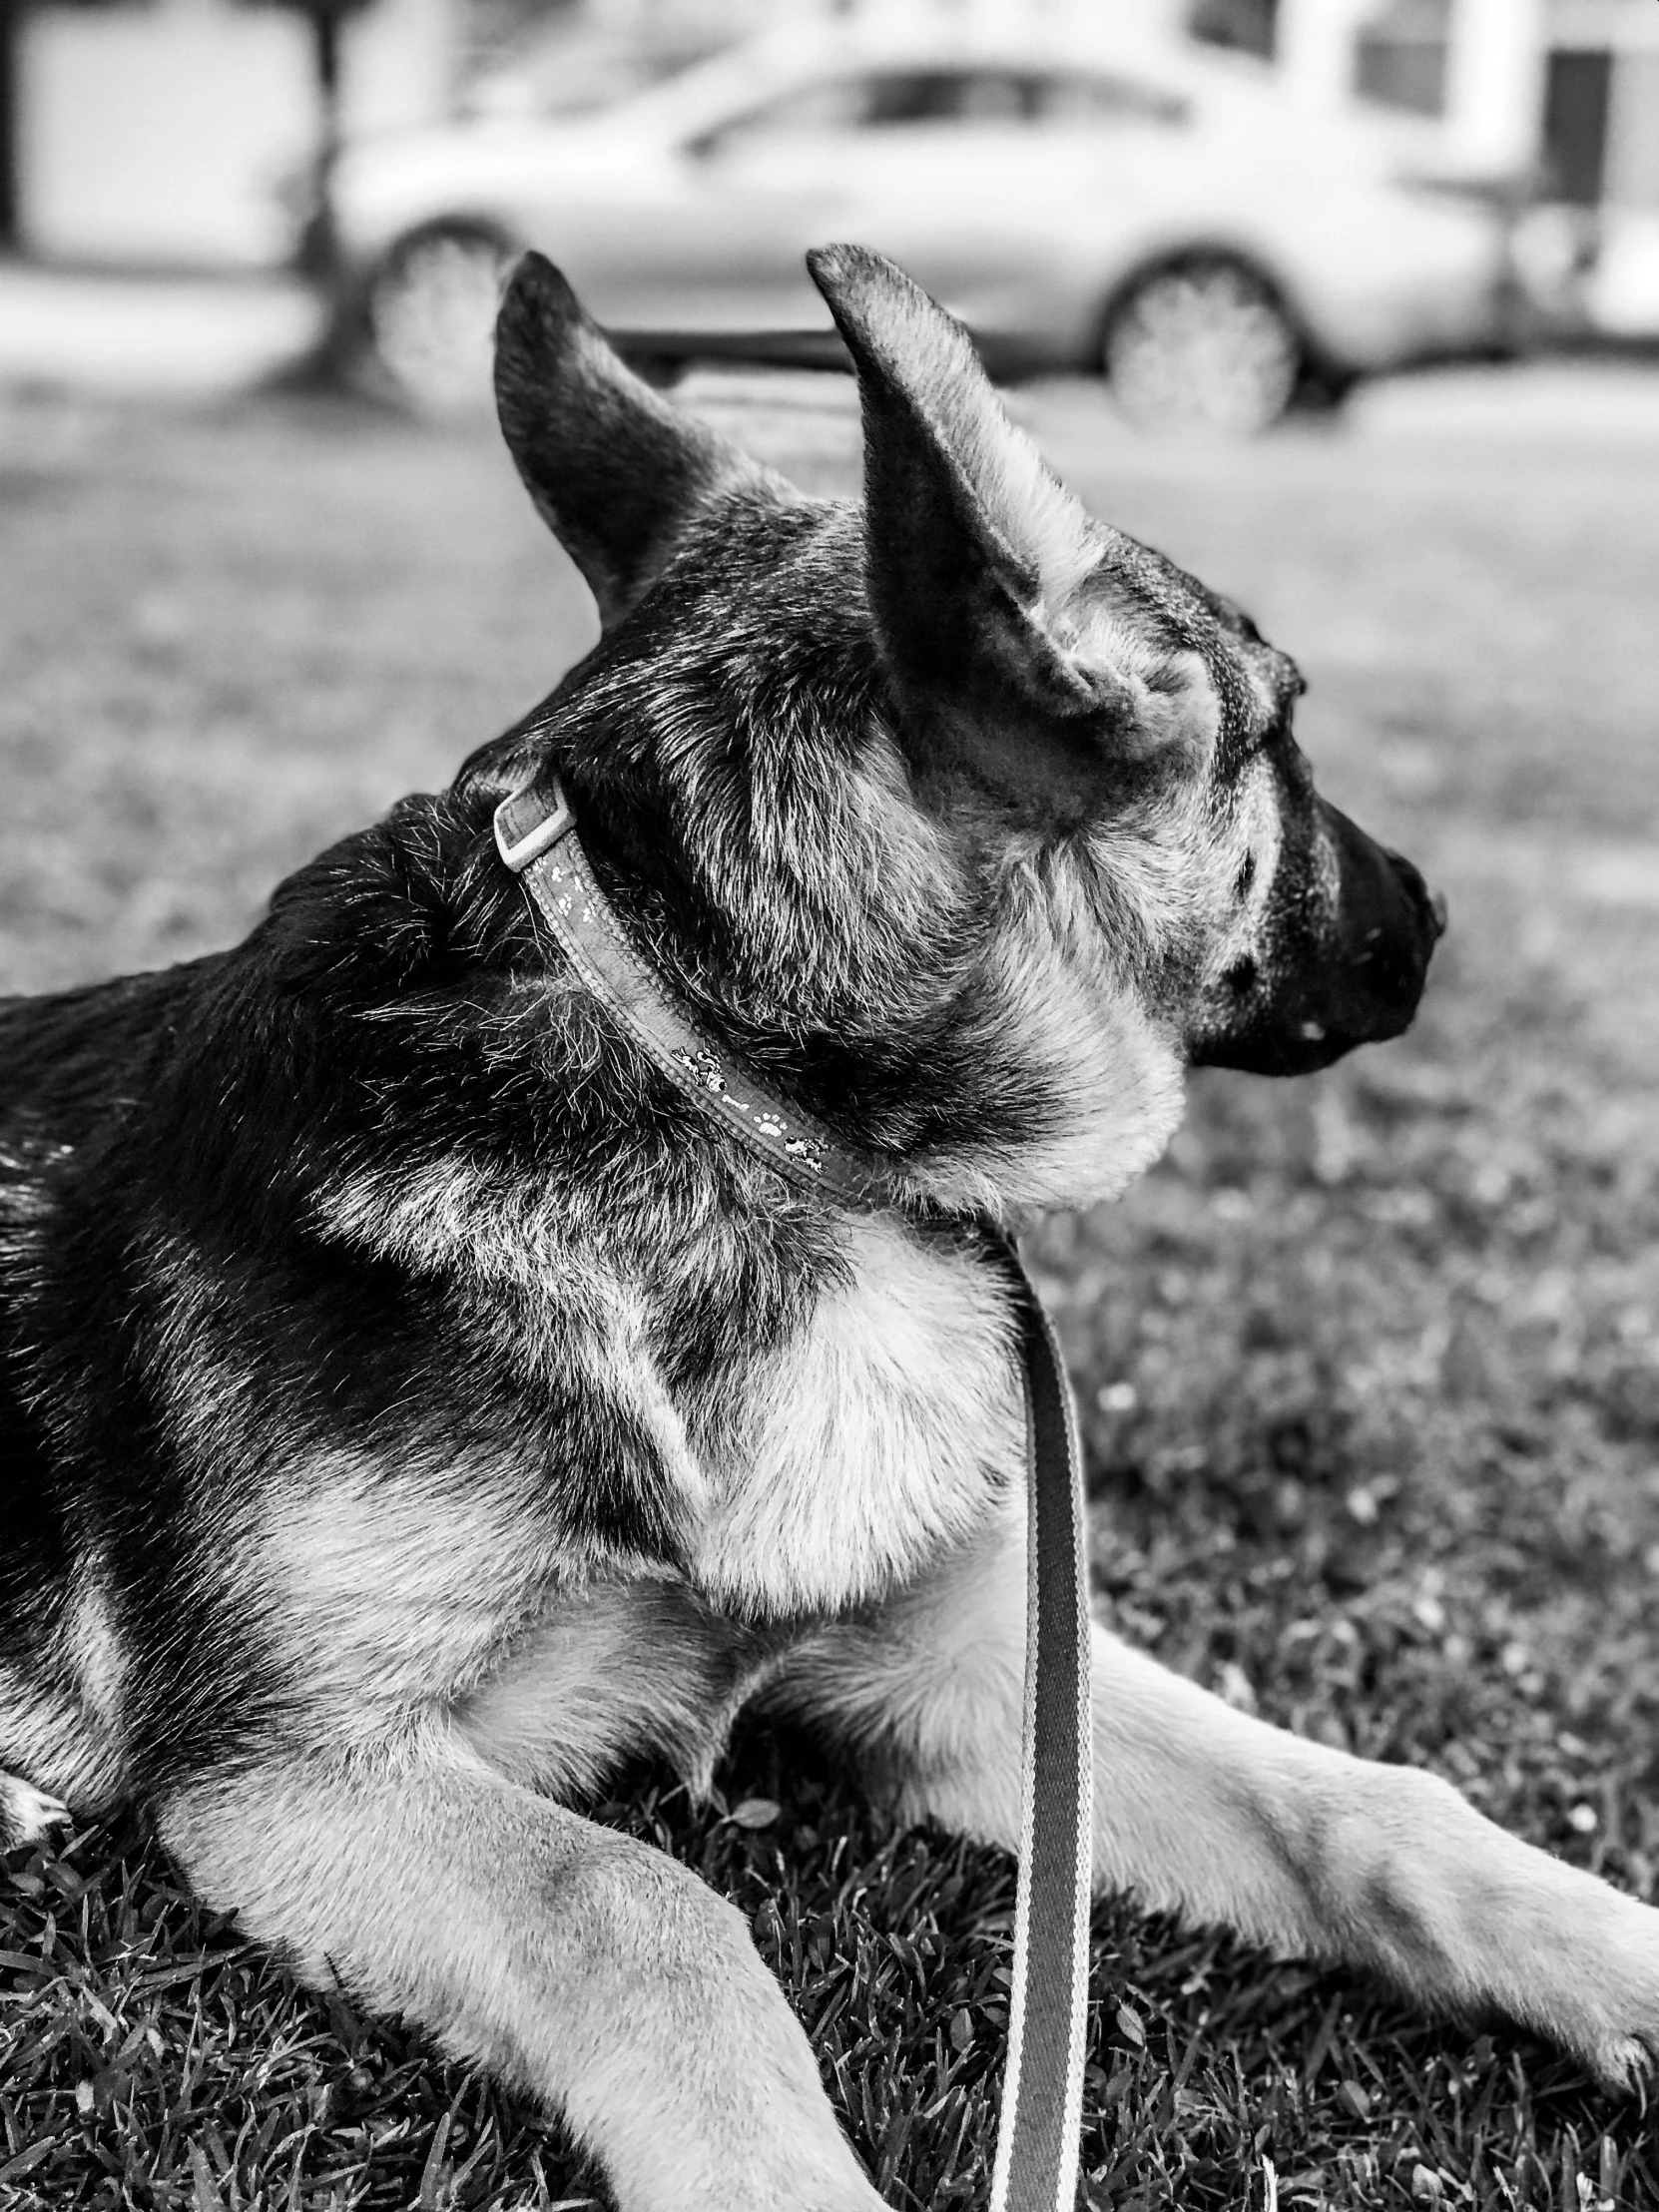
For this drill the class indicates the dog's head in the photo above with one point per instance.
(973, 817)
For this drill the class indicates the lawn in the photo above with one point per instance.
(1369, 1368)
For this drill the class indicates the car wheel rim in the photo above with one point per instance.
(1202, 349)
(432, 314)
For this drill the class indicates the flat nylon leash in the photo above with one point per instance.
(1037, 2135)
(1042, 2093)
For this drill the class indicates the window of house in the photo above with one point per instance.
(1400, 59)
(1247, 26)
(1577, 95)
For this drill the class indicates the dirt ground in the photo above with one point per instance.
(1369, 1368)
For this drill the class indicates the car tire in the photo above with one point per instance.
(429, 315)
(1202, 344)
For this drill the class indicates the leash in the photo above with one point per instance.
(1043, 2095)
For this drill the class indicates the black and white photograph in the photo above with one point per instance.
(829, 1105)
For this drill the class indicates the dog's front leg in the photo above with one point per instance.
(575, 1963)
(1207, 1813)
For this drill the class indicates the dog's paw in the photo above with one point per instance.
(27, 1815)
(1618, 2028)
(1625, 2064)
(1595, 1987)
(1468, 1918)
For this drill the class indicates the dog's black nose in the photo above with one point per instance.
(1430, 905)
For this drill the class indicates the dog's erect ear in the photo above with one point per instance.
(615, 471)
(975, 555)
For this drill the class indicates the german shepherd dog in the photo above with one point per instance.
(413, 1405)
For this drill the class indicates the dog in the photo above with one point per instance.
(414, 1405)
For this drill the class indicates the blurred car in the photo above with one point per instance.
(1154, 213)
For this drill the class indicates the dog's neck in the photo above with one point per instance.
(535, 836)
(1080, 1112)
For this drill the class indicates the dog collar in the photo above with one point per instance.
(535, 836)
(1037, 2134)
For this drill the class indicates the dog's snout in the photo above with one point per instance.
(1432, 905)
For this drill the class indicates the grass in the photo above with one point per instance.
(1369, 1368)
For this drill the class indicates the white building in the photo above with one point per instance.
(1568, 89)
(173, 131)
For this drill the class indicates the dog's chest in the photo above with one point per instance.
(872, 1441)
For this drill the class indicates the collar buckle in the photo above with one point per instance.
(520, 840)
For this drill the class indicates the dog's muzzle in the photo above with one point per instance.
(1331, 978)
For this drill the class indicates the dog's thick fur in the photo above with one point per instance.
(411, 1407)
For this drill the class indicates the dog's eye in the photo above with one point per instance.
(1247, 876)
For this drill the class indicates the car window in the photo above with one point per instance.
(912, 96)
(891, 98)
(831, 103)
(1093, 97)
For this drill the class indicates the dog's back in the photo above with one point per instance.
(75, 1068)
(180, 1324)
(70, 1061)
